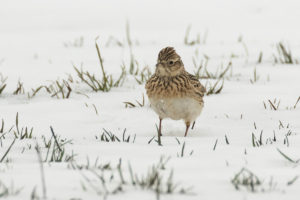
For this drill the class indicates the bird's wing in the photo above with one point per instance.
(151, 85)
(199, 88)
(150, 82)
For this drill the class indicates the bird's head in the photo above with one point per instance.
(169, 63)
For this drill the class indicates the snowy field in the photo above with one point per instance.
(103, 143)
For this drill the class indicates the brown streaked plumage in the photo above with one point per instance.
(172, 91)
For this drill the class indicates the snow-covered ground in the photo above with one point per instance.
(41, 41)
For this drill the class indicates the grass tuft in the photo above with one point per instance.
(76, 43)
(2, 83)
(61, 89)
(215, 88)
(246, 179)
(20, 89)
(157, 179)
(108, 136)
(273, 104)
(106, 83)
(284, 54)
(58, 152)
(23, 132)
(197, 40)
(255, 77)
(129, 104)
(6, 191)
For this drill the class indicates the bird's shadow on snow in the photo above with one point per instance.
(196, 132)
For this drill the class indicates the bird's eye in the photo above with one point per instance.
(171, 62)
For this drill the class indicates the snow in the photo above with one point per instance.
(32, 50)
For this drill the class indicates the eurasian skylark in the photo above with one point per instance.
(173, 92)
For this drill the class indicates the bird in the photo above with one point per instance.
(173, 92)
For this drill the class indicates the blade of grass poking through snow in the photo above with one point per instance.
(177, 140)
(226, 139)
(260, 138)
(17, 124)
(296, 102)
(182, 150)
(129, 104)
(120, 171)
(131, 174)
(260, 57)
(58, 146)
(225, 71)
(105, 81)
(215, 145)
(287, 157)
(2, 88)
(95, 109)
(2, 83)
(272, 105)
(37, 148)
(293, 180)
(7, 151)
(2, 127)
(253, 140)
(94, 187)
(151, 140)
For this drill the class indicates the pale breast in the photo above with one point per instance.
(184, 108)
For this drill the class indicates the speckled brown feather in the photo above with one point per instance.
(167, 53)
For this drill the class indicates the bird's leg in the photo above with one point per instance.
(187, 128)
(159, 132)
(193, 125)
(159, 127)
